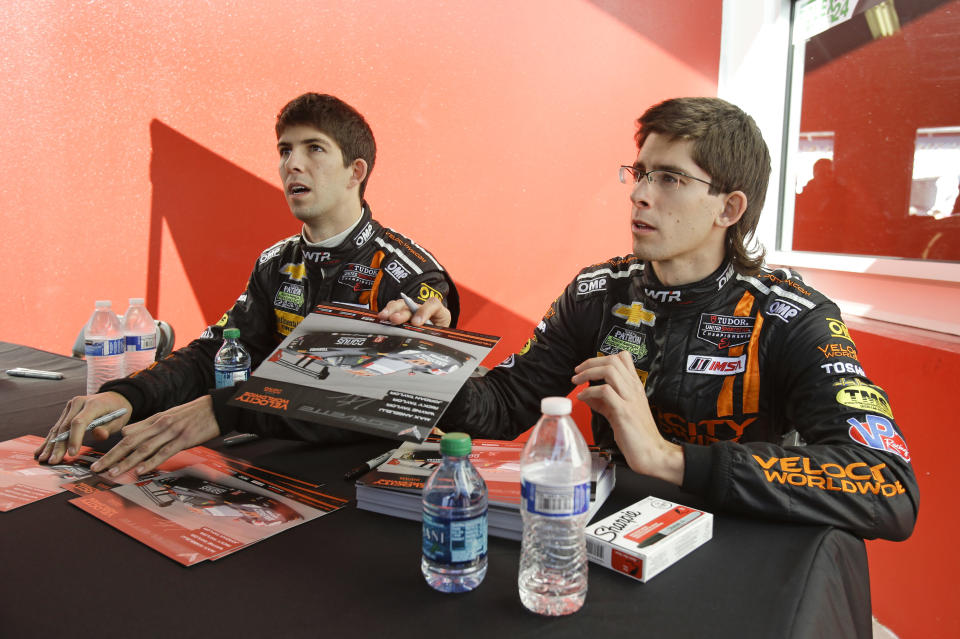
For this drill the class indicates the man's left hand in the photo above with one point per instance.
(623, 401)
(149, 443)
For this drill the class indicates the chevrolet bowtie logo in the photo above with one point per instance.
(295, 272)
(635, 314)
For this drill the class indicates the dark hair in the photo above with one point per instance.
(337, 119)
(727, 144)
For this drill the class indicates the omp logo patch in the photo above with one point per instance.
(783, 309)
(397, 271)
(865, 398)
(592, 286)
(295, 272)
(635, 314)
(705, 365)
(725, 331)
(289, 296)
(623, 339)
(364, 236)
(878, 433)
(838, 329)
(359, 277)
(270, 253)
(426, 292)
(286, 322)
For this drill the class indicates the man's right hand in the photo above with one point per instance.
(79, 412)
(433, 310)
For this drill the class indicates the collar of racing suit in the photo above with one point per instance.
(688, 296)
(363, 233)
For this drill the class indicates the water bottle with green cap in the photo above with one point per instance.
(232, 362)
(454, 520)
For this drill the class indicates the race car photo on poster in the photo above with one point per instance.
(341, 367)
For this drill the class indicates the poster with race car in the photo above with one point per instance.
(204, 512)
(24, 480)
(342, 367)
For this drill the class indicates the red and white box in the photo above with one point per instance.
(642, 540)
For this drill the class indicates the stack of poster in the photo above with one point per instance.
(205, 505)
(23, 480)
(198, 505)
(342, 367)
(396, 486)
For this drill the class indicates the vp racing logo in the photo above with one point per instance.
(878, 433)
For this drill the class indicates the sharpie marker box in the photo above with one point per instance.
(644, 539)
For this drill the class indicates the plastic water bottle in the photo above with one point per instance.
(103, 346)
(140, 332)
(555, 497)
(232, 362)
(454, 520)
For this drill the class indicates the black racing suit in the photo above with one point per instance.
(368, 269)
(731, 365)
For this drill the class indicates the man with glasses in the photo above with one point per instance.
(705, 368)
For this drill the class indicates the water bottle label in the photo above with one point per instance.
(141, 342)
(555, 501)
(93, 347)
(231, 378)
(454, 541)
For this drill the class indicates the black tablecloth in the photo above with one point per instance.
(356, 573)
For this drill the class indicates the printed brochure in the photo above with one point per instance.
(342, 367)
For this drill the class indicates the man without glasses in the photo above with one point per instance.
(342, 255)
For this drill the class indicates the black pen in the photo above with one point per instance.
(370, 465)
(29, 372)
(680, 523)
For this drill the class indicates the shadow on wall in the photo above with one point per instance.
(221, 217)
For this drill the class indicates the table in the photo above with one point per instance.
(356, 573)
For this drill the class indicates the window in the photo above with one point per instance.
(865, 138)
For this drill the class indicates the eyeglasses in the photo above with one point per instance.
(660, 178)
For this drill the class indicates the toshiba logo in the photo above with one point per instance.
(704, 365)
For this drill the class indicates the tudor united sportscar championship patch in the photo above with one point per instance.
(725, 331)
(359, 277)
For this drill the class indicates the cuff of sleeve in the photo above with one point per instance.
(132, 394)
(697, 462)
(227, 416)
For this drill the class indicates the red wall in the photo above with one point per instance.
(914, 582)
(874, 99)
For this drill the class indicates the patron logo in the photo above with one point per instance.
(843, 368)
(634, 315)
(725, 331)
(289, 296)
(397, 271)
(838, 329)
(623, 339)
(663, 296)
(783, 309)
(878, 433)
(295, 272)
(704, 365)
(364, 236)
(591, 286)
(317, 256)
(359, 277)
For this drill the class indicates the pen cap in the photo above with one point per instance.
(455, 444)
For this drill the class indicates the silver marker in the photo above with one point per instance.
(413, 306)
(99, 421)
(29, 372)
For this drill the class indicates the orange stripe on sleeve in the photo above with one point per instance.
(751, 380)
(372, 300)
(725, 399)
